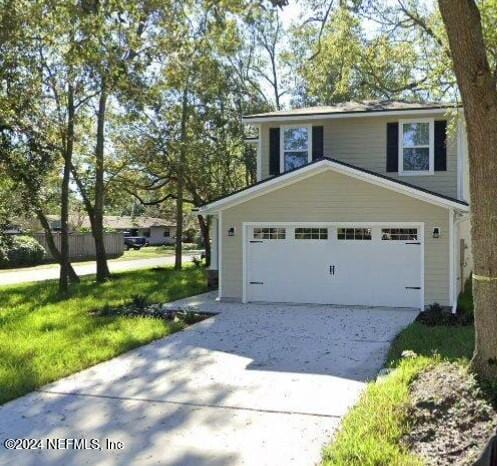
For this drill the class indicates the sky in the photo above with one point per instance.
(292, 12)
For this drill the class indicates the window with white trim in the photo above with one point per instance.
(354, 233)
(311, 233)
(269, 233)
(399, 234)
(296, 147)
(416, 147)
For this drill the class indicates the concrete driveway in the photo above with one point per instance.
(255, 385)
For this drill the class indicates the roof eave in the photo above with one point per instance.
(256, 119)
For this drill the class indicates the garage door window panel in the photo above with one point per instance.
(269, 233)
(311, 233)
(399, 234)
(354, 234)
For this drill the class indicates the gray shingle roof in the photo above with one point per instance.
(363, 106)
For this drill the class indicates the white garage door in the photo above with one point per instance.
(339, 264)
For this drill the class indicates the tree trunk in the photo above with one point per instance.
(73, 277)
(180, 185)
(275, 80)
(204, 231)
(478, 89)
(98, 209)
(64, 194)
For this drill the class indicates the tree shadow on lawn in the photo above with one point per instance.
(164, 284)
(44, 337)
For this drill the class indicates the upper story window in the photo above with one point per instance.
(296, 147)
(416, 147)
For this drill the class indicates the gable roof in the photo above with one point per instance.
(352, 108)
(328, 163)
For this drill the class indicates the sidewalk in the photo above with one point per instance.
(51, 271)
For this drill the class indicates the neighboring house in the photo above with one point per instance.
(156, 230)
(356, 204)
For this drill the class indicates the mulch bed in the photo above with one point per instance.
(186, 314)
(437, 315)
(452, 420)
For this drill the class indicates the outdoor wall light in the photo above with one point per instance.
(436, 232)
(231, 231)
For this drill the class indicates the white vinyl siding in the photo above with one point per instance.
(333, 197)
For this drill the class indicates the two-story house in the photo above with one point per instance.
(356, 204)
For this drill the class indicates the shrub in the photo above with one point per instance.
(139, 301)
(21, 250)
(4, 247)
(197, 261)
(437, 315)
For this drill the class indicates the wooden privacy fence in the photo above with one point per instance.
(82, 245)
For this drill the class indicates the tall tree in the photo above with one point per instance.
(37, 98)
(180, 177)
(477, 84)
(269, 34)
(115, 50)
(28, 163)
(186, 141)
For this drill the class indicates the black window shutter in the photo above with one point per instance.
(441, 145)
(274, 151)
(317, 142)
(392, 147)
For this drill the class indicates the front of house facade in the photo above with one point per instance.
(358, 204)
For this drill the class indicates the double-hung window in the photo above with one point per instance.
(416, 147)
(296, 146)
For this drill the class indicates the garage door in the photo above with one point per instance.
(339, 264)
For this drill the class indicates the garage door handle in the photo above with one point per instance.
(414, 243)
(256, 283)
(256, 241)
(413, 287)
(332, 270)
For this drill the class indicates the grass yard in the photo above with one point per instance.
(146, 253)
(370, 433)
(44, 337)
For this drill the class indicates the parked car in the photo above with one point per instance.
(134, 242)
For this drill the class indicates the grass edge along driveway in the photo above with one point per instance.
(44, 337)
(371, 432)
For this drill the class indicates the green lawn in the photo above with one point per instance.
(370, 433)
(146, 253)
(44, 337)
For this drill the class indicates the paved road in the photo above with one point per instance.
(49, 272)
(256, 385)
